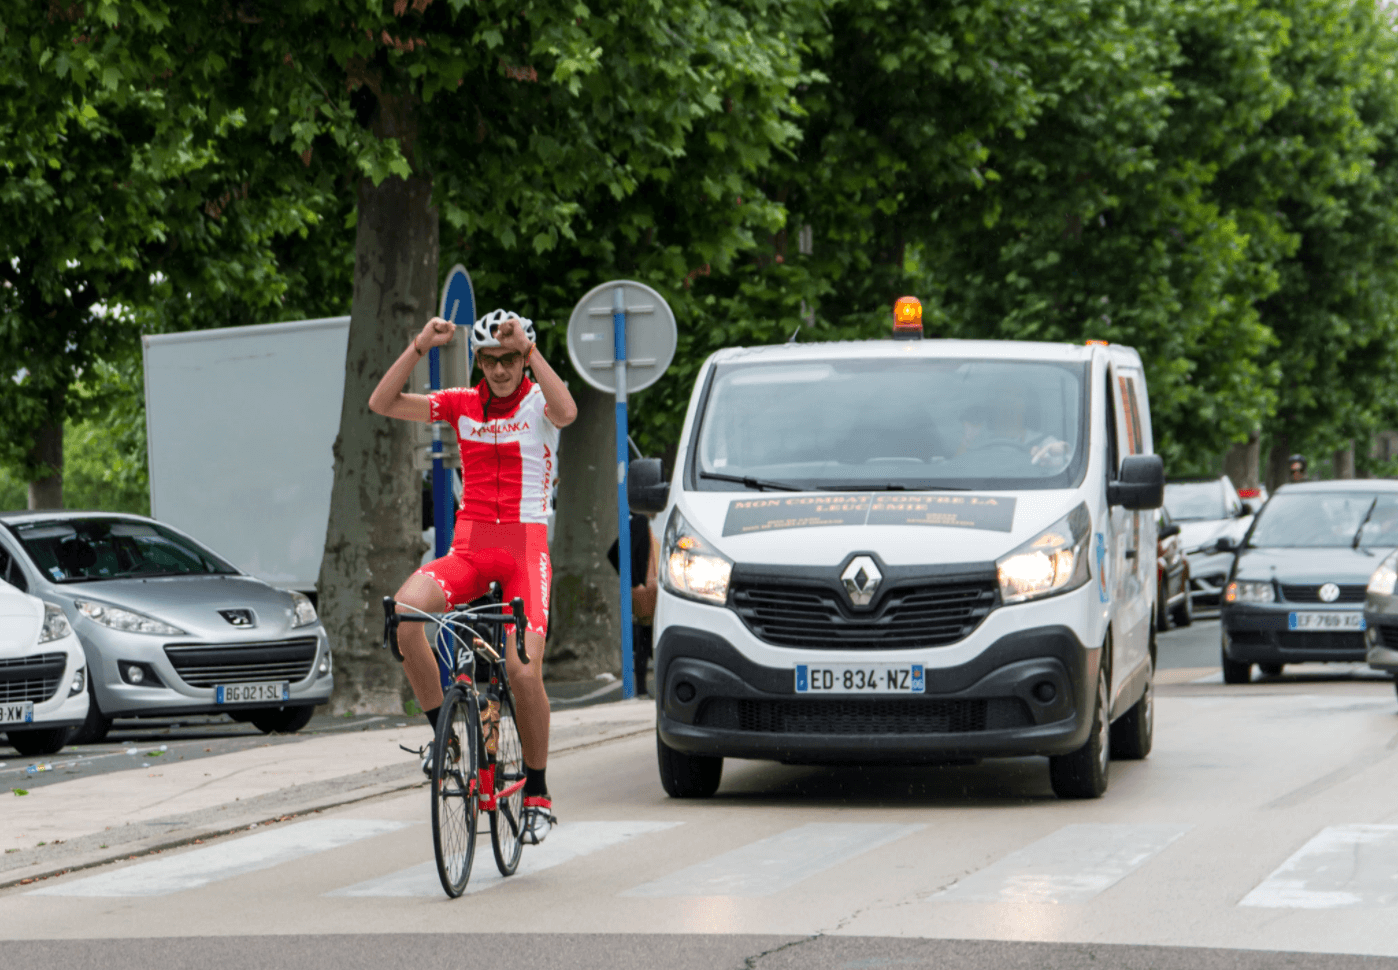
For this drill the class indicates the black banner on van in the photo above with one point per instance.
(959, 511)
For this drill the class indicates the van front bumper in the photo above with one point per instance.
(1027, 693)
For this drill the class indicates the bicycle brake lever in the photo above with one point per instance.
(390, 627)
(517, 609)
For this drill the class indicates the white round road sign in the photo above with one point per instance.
(650, 336)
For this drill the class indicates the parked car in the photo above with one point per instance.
(1173, 604)
(168, 627)
(1207, 509)
(1297, 591)
(43, 673)
(1381, 618)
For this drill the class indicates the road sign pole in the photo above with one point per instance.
(441, 489)
(623, 507)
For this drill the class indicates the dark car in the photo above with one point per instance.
(1296, 591)
(1173, 604)
(1381, 617)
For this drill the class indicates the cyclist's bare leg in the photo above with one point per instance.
(420, 592)
(531, 702)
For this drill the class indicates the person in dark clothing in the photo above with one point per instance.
(645, 556)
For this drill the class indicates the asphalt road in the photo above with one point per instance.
(1261, 832)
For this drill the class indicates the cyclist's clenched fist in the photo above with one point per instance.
(437, 333)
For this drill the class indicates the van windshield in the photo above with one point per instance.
(901, 424)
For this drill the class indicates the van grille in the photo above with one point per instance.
(909, 616)
(33, 678)
(207, 664)
(863, 716)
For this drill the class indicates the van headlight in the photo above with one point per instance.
(1385, 577)
(692, 567)
(128, 621)
(1053, 562)
(302, 612)
(55, 624)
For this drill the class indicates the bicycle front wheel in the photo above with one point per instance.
(506, 824)
(454, 781)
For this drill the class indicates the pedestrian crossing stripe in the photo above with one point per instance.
(191, 870)
(1342, 867)
(565, 843)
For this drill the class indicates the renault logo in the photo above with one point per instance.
(861, 578)
(238, 617)
(1329, 593)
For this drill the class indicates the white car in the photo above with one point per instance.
(43, 674)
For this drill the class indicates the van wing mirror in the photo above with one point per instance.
(1140, 484)
(646, 489)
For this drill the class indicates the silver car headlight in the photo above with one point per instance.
(128, 621)
(692, 567)
(1385, 577)
(1246, 591)
(302, 612)
(56, 625)
(1054, 561)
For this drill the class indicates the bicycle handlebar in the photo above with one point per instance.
(515, 616)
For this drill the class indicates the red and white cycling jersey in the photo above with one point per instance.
(508, 458)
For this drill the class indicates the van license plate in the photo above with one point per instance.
(273, 690)
(860, 679)
(17, 712)
(1319, 620)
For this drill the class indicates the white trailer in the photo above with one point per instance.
(240, 431)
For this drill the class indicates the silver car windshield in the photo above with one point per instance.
(1316, 520)
(1196, 501)
(84, 550)
(863, 423)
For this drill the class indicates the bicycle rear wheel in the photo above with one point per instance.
(454, 780)
(506, 825)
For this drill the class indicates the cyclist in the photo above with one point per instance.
(507, 428)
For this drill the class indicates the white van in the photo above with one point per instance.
(907, 551)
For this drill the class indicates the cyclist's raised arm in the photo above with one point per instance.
(561, 411)
(388, 398)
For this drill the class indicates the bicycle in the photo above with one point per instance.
(477, 758)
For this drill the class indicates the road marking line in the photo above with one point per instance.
(190, 870)
(565, 843)
(1342, 866)
(1072, 865)
(771, 865)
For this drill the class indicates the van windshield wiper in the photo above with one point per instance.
(761, 484)
(889, 487)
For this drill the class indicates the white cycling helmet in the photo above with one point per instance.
(483, 333)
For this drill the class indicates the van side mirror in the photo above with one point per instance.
(646, 489)
(1225, 544)
(1166, 531)
(1140, 485)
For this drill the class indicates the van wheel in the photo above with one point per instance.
(1163, 616)
(1134, 731)
(39, 740)
(687, 775)
(282, 720)
(1083, 773)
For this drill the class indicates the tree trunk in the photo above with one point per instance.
(584, 613)
(47, 492)
(1344, 461)
(1240, 462)
(1278, 468)
(374, 538)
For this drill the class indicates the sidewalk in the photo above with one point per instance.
(88, 821)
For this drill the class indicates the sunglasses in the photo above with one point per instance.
(504, 360)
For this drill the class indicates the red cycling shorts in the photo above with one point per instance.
(513, 554)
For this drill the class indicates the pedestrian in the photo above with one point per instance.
(645, 558)
(1298, 467)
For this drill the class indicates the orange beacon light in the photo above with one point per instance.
(907, 318)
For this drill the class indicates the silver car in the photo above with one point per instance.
(1207, 509)
(168, 627)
